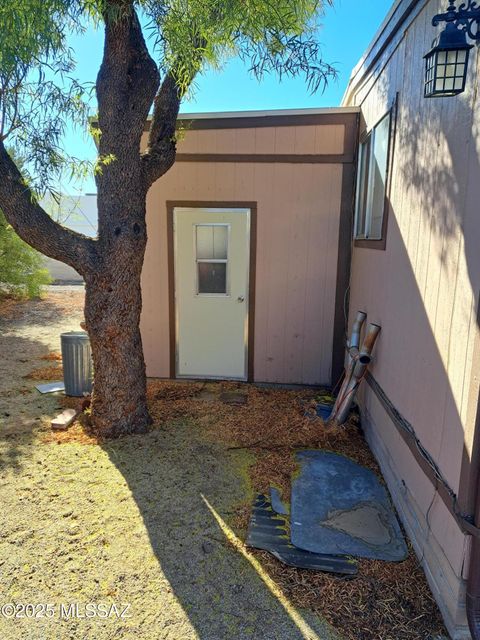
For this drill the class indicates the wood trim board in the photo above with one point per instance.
(259, 121)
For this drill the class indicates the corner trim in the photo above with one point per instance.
(344, 257)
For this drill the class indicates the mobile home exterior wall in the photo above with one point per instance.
(421, 285)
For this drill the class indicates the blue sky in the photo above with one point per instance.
(347, 29)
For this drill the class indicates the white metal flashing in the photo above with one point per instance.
(265, 113)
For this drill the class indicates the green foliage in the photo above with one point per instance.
(22, 270)
(271, 36)
(40, 97)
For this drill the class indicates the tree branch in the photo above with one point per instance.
(35, 226)
(161, 150)
(127, 81)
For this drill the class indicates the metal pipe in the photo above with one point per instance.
(360, 361)
(352, 347)
(345, 403)
(346, 382)
(370, 338)
(365, 356)
(354, 341)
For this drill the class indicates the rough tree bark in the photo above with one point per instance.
(128, 84)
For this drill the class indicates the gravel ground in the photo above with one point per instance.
(137, 522)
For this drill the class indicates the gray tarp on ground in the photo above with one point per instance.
(341, 508)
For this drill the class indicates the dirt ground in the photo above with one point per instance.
(154, 524)
(137, 521)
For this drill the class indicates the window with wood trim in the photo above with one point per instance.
(373, 159)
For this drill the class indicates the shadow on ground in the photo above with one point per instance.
(174, 476)
(22, 407)
(52, 306)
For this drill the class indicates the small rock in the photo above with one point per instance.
(64, 420)
(237, 588)
(208, 546)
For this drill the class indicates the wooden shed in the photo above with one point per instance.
(247, 263)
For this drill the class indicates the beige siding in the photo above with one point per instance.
(423, 290)
(298, 212)
(319, 139)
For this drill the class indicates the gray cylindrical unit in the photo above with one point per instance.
(77, 363)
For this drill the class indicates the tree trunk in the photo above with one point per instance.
(128, 85)
(112, 313)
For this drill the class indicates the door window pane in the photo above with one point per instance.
(212, 277)
(212, 241)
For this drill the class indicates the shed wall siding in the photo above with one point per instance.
(423, 291)
(326, 139)
(298, 213)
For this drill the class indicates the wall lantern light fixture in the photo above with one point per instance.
(446, 63)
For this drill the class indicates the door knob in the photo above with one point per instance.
(241, 299)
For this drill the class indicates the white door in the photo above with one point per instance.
(212, 255)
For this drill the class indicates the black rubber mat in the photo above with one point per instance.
(341, 508)
(277, 503)
(270, 531)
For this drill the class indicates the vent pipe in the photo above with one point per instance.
(359, 359)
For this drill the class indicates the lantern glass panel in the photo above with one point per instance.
(452, 57)
(445, 72)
